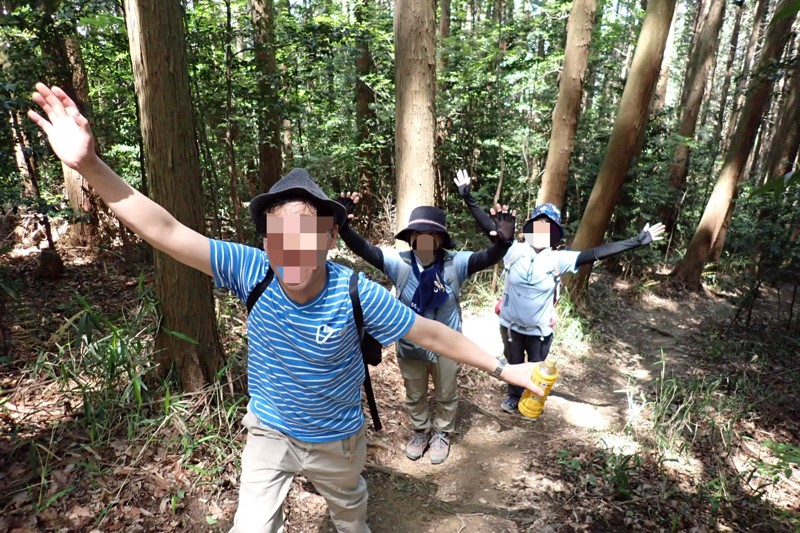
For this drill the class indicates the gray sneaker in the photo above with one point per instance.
(417, 445)
(440, 447)
(510, 404)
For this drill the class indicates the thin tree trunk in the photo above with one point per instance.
(688, 271)
(365, 114)
(567, 110)
(415, 113)
(744, 73)
(230, 127)
(158, 54)
(631, 118)
(270, 164)
(726, 83)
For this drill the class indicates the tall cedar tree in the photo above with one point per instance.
(568, 105)
(415, 107)
(270, 164)
(161, 76)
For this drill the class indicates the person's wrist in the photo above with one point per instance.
(502, 363)
(88, 165)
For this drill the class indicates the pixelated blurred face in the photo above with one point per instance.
(297, 241)
(540, 238)
(425, 246)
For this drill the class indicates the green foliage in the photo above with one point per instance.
(105, 362)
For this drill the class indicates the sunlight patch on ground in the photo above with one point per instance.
(619, 444)
(579, 414)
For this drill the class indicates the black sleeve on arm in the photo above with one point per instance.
(607, 250)
(367, 251)
(487, 257)
(480, 216)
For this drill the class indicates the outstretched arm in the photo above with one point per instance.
(358, 244)
(504, 222)
(648, 235)
(71, 138)
(481, 217)
(448, 342)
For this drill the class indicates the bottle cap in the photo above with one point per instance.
(551, 363)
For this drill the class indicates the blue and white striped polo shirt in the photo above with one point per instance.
(304, 365)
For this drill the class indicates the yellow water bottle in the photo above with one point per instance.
(544, 375)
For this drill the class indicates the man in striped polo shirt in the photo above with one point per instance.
(304, 362)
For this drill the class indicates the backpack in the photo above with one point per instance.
(370, 347)
(507, 264)
(448, 272)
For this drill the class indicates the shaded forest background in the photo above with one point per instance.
(621, 112)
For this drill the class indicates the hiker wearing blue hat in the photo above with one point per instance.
(305, 365)
(428, 279)
(533, 271)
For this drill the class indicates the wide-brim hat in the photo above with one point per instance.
(550, 212)
(426, 219)
(296, 185)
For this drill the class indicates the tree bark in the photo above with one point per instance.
(69, 70)
(158, 54)
(631, 118)
(415, 113)
(365, 114)
(660, 96)
(787, 133)
(270, 164)
(694, 87)
(688, 271)
(568, 105)
(747, 60)
(231, 127)
(726, 82)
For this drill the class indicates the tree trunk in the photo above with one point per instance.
(726, 83)
(444, 33)
(158, 54)
(694, 87)
(270, 164)
(631, 118)
(755, 34)
(69, 71)
(231, 127)
(568, 105)
(787, 133)
(415, 113)
(365, 114)
(660, 96)
(690, 268)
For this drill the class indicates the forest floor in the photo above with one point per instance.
(661, 420)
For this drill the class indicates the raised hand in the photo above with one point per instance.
(67, 130)
(652, 233)
(350, 201)
(462, 181)
(504, 222)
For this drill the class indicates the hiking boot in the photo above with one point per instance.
(510, 404)
(417, 445)
(440, 447)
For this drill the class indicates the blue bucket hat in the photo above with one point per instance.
(550, 212)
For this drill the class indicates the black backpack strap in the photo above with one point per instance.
(259, 289)
(358, 316)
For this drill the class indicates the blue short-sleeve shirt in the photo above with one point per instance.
(304, 363)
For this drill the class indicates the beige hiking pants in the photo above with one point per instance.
(445, 383)
(271, 459)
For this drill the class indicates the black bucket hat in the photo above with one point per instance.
(426, 219)
(296, 185)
